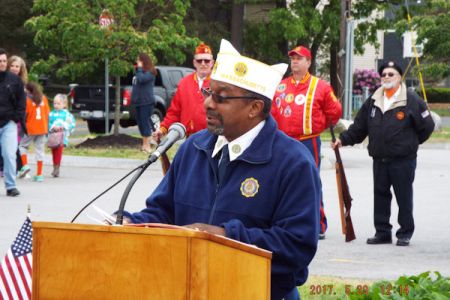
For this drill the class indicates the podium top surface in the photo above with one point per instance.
(156, 229)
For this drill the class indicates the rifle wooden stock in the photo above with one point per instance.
(345, 199)
(341, 200)
(165, 163)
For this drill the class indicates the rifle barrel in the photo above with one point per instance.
(345, 199)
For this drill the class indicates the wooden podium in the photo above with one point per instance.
(76, 261)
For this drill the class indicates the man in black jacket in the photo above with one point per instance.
(396, 121)
(12, 111)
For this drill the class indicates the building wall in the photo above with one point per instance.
(369, 59)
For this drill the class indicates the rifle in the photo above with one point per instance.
(345, 200)
(165, 163)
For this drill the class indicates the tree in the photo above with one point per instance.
(68, 32)
(301, 22)
(431, 21)
(14, 38)
(210, 21)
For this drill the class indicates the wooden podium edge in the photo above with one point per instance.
(157, 229)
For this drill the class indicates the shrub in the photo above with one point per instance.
(365, 78)
(436, 95)
(418, 287)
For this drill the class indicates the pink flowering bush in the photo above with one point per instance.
(364, 77)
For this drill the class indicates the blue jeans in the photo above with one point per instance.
(8, 141)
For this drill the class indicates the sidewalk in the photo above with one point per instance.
(83, 178)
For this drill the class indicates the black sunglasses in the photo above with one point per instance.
(205, 61)
(220, 99)
(390, 74)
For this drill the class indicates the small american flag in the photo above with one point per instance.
(15, 272)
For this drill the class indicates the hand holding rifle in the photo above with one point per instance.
(345, 199)
(155, 140)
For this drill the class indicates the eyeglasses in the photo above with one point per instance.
(389, 74)
(205, 61)
(219, 98)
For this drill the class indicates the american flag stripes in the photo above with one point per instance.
(15, 272)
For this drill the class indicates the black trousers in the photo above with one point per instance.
(398, 173)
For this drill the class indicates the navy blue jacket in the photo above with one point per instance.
(394, 134)
(142, 91)
(280, 213)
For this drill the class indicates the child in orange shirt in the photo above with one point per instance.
(37, 111)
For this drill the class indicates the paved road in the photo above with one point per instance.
(430, 246)
(83, 178)
(445, 121)
(82, 129)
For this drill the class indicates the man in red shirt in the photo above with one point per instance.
(304, 106)
(187, 104)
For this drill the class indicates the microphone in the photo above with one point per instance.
(177, 131)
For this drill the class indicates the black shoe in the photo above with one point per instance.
(379, 240)
(321, 236)
(12, 192)
(403, 242)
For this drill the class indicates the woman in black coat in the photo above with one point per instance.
(142, 97)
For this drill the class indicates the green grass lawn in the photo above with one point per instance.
(328, 287)
(442, 136)
(442, 112)
(427, 285)
(132, 153)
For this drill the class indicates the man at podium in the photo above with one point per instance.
(243, 178)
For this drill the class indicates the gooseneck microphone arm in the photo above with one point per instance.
(125, 194)
(104, 192)
(176, 132)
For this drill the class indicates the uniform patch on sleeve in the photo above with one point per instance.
(425, 114)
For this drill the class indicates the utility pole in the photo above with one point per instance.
(342, 54)
(237, 24)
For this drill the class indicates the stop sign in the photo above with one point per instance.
(106, 19)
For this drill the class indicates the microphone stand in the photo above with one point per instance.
(104, 192)
(141, 169)
(179, 131)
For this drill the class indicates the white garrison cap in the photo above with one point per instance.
(247, 73)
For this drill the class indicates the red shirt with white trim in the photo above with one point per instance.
(305, 109)
(187, 105)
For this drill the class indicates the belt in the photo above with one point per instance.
(307, 137)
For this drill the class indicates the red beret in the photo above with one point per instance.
(300, 50)
(203, 49)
